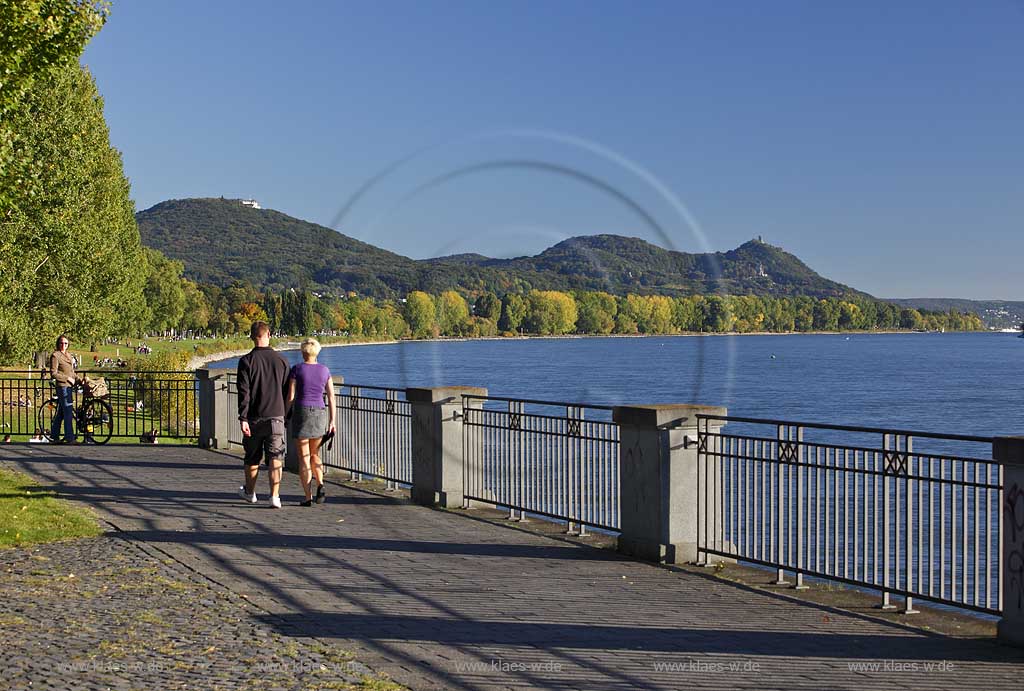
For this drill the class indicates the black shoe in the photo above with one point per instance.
(320, 495)
(308, 502)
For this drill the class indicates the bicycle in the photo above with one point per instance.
(94, 417)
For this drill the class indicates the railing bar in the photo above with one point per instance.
(999, 514)
(738, 484)
(838, 518)
(849, 535)
(988, 542)
(921, 529)
(849, 428)
(532, 401)
(882, 473)
(811, 445)
(963, 535)
(942, 529)
(976, 529)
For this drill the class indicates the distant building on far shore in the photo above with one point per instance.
(252, 203)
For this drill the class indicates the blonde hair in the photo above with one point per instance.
(310, 348)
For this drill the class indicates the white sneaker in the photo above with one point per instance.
(251, 498)
(275, 502)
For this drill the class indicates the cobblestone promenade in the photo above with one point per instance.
(195, 589)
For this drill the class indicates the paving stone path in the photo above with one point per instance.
(438, 600)
(107, 613)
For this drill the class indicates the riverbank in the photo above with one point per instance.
(197, 361)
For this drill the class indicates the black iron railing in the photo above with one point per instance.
(142, 402)
(909, 513)
(547, 458)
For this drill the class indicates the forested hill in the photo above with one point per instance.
(221, 240)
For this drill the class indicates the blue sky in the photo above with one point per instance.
(880, 142)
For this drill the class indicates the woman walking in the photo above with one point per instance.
(311, 399)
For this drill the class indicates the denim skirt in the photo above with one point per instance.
(309, 422)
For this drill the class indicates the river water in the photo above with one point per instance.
(961, 383)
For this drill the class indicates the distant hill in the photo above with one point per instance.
(220, 241)
(995, 314)
(624, 264)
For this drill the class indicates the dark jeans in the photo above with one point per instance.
(65, 412)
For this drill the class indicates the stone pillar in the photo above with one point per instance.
(437, 460)
(214, 416)
(658, 500)
(1009, 451)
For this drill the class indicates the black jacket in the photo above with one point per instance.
(262, 384)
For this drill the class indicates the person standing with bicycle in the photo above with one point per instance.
(62, 370)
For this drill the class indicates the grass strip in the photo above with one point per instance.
(30, 514)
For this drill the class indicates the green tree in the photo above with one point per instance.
(197, 312)
(513, 311)
(686, 314)
(421, 315)
(487, 306)
(452, 313)
(826, 315)
(911, 319)
(37, 38)
(659, 315)
(803, 313)
(71, 254)
(272, 306)
(165, 298)
(596, 313)
(716, 315)
(551, 312)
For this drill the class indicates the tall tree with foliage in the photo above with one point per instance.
(71, 254)
(513, 311)
(37, 37)
(452, 313)
(164, 293)
(596, 313)
(197, 312)
(487, 306)
(421, 314)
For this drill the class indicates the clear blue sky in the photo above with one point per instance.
(879, 141)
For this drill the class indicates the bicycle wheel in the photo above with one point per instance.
(96, 421)
(44, 420)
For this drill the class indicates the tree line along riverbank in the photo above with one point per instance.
(353, 319)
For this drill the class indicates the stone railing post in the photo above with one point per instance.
(658, 480)
(1009, 451)
(214, 416)
(437, 453)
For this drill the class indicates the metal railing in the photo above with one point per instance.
(141, 401)
(551, 459)
(374, 431)
(374, 434)
(856, 505)
(234, 429)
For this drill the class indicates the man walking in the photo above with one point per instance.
(262, 383)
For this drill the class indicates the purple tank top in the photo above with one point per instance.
(310, 380)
